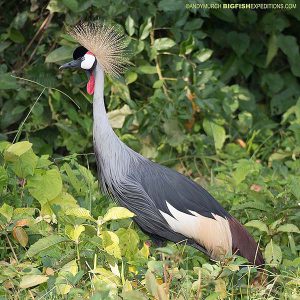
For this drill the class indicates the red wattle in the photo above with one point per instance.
(91, 85)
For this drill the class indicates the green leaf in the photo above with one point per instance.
(293, 110)
(243, 168)
(25, 164)
(110, 243)
(289, 46)
(292, 244)
(45, 186)
(45, 243)
(4, 145)
(281, 101)
(156, 290)
(145, 29)
(273, 22)
(144, 252)
(71, 4)
(74, 232)
(129, 25)
(245, 121)
(226, 15)
(147, 69)
(258, 224)
(61, 283)
(174, 132)
(220, 288)
(216, 131)
(16, 150)
(7, 82)
(158, 84)
(187, 46)
(273, 254)
(64, 200)
(117, 117)
(213, 296)
(23, 212)
(151, 284)
(272, 49)
(134, 295)
(70, 267)
(6, 211)
(20, 20)
(79, 185)
(4, 45)
(163, 44)
(204, 54)
(130, 77)
(56, 6)
(3, 179)
(121, 90)
(294, 185)
(29, 281)
(116, 213)
(80, 212)
(60, 54)
(288, 228)
(16, 36)
(257, 205)
(129, 240)
(279, 156)
(170, 5)
(106, 276)
(245, 67)
(230, 105)
(238, 41)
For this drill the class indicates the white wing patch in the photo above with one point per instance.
(212, 233)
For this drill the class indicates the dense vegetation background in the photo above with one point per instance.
(212, 93)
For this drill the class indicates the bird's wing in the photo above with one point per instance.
(192, 212)
(165, 185)
(173, 207)
(132, 195)
(187, 208)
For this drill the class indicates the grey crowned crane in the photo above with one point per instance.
(166, 204)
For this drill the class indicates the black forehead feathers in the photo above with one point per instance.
(79, 52)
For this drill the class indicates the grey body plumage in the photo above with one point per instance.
(166, 204)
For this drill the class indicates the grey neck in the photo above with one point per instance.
(113, 156)
(102, 127)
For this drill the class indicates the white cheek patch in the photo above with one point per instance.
(88, 61)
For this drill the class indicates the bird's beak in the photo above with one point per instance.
(71, 65)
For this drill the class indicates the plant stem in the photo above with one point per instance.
(12, 248)
(78, 256)
(16, 138)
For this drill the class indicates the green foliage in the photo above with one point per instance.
(58, 238)
(61, 244)
(212, 93)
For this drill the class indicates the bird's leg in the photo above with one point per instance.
(160, 243)
(165, 268)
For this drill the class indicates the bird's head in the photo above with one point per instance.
(86, 60)
(82, 58)
(101, 43)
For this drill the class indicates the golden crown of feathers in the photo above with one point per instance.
(106, 42)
